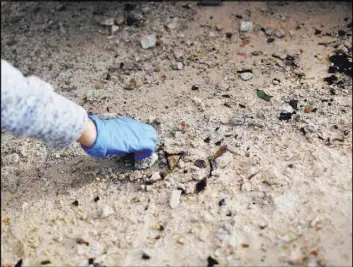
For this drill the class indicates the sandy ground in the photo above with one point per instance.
(282, 193)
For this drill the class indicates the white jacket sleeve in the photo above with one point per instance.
(31, 108)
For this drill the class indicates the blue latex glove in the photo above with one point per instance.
(121, 136)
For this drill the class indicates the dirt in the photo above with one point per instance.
(280, 195)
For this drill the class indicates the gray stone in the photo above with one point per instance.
(246, 26)
(149, 41)
(107, 21)
(246, 76)
(178, 54)
(114, 29)
(269, 31)
(146, 163)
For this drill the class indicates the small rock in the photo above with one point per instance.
(156, 176)
(286, 108)
(149, 41)
(280, 34)
(173, 161)
(223, 86)
(275, 81)
(246, 26)
(57, 155)
(107, 21)
(114, 29)
(224, 160)
(175, 198)
(246, 76)
(199, 103)
(146, 163)
(219, 27)
(269, 31)
(131, 85)
(178, 54)
(177, 66)
(120, 19)
(291, 33)
(107, 210)
(172, 25)
(260, 114)
(200, 163)
(237, 119)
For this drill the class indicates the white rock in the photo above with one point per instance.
(287, 108)
(146, 163)
(224, 160)
(149, 41)
(178, 54)
(179, 65)
(114, 29)
(107, 21)
(107, 210)
(175, 198)
(269, 31)
(246, 76)
(246, 26)
(199, 103)
(156, 176)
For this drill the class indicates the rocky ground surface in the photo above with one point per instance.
(242, 178)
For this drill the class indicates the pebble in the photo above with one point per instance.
(107, 21)
(246, 76)
(269, 31)
(149, 41)
(178, 54)
(219, 27)
(291, 33)
(171, 25)
(246, 26)
(224, 160)
(175, 198)
(275, 81)
(199, 103)
(177, 66)
(106, 211)
(156, 176)
(119, 20)
(146, 163)
(287, 108)
(173, 161)
(260, 114)
(223, 86)
(114, 29)
(280, 34)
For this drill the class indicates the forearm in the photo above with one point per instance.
(30, 107)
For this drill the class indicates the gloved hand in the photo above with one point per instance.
(122, 135)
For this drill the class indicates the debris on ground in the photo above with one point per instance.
(175, 199)
(261, 94)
